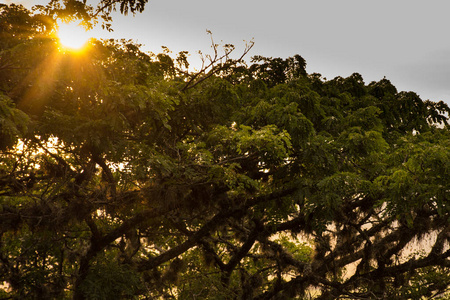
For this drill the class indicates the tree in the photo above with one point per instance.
(123, 175)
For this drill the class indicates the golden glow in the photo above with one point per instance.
(72, 35)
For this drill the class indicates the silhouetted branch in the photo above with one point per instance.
(215, 63)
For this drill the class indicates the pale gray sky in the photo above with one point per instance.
(404, 40)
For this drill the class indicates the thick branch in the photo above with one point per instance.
(108, 174)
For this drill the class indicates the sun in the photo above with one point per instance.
(72, 35)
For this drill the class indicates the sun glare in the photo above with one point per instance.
(72, 35)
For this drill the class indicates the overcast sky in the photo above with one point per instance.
(405, 40)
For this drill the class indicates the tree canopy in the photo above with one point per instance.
(125, 175)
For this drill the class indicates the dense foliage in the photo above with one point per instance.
(124, 175)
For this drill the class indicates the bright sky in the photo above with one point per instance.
(405, 40)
